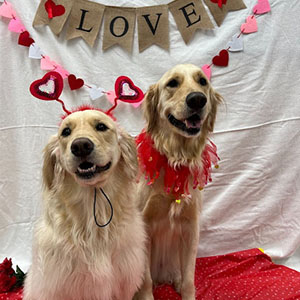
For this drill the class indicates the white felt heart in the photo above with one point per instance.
(35, 51)
(95, 92)
(236, 43)
(48, 87)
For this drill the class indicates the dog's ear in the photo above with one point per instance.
(128, 153)
(50, 161)
(215, 99)
(150, 107)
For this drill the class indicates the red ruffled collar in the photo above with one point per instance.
(176, 180)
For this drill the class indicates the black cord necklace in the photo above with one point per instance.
(111, 208)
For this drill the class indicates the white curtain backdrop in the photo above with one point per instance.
(254, 199)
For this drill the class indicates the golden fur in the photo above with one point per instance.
(173, 228)
(73, 259)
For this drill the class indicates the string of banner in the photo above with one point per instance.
(95, 92)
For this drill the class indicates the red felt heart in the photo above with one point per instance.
(75, 83)
(220, 2)
(25, 39)
(49, 87)
(126, 91)
(54, 10)
(222, 59)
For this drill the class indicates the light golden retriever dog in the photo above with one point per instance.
(74, 259)
(180, 111)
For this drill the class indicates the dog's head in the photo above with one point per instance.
(183, 100)
(89, 145)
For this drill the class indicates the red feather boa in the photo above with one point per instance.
(176, 180)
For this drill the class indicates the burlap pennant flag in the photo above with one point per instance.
(56, 23)
(153, 26)
(189, 15)
(219, 13)
(85, 21)
(119, 27)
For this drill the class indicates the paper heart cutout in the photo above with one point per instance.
(262, 7)
(54, 10)
(126, 91)
(220, 2)
(35, 51)
(15, 25)
(95, 92)
(47, 64)
(25, 39)
(222, 59)
(49, 87)
(75, 83)
(207, 71)
(7, 11)
(236, 43)
(250, 25)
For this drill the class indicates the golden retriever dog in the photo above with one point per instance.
(74, 259)
(180, 111)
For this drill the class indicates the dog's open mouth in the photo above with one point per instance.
(87, 170)
(191, 125)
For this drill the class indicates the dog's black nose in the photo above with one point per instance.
(196, 101)
(82, 147)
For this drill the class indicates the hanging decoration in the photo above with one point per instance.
(85, 18)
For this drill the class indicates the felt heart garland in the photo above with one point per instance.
(75, 83)
(222, 59)
(25, 39)
(262, 7)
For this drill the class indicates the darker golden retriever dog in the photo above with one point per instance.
(73, 259)
(180, 111)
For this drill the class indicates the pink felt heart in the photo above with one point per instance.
(207, 71)
(7, 11)
(126, 91)
(48, 88)
(59, 69)
(47, 64)
(250, 25)
(262, 7)
(15, 25)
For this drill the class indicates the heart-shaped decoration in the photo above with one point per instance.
(47, 64)
(75, 83)
(250, 25)
(35, 51)
(54, 10)
(15, 25)
(95, 92)
(207, 71)
(48, 88)
(222, 59)
(220, 2)
(236, 43)
(25, 39)
(262, 7)
(7, 11)
(126, 91)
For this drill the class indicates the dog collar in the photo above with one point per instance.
(176, 180)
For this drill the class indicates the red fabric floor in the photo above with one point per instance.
(244, 275)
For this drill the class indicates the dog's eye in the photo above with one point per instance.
(101, 127)
(203, 81)
(66, 132)
(173, 83)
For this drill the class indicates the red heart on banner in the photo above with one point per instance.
(25, 39)
(220, 2)
(222, 59)
(49, 87)
(75, 83)
(54, 10)
(126, 91)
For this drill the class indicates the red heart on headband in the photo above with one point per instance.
(220, 2)
(54, 10)
(126, 91)
(75, 83)
(49, 87)
(221, 59)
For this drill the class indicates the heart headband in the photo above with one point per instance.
(50, 87)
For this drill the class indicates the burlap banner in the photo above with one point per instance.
(85, 18)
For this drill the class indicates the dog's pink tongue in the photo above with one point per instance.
(193, 124)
